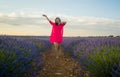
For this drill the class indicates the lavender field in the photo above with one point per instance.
(21, 56)
(99, 55)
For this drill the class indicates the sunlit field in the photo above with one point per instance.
(21, 56)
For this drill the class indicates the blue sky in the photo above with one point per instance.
(84, 17)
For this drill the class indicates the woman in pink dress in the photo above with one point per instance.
(57, 33)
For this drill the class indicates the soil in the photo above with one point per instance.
(64, 66)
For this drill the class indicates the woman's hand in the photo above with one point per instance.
(44, 15)
(63, 22)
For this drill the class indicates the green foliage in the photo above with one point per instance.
(11, 64)
(100, 64)
(39, 46)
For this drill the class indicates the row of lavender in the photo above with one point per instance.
(101, 56)
(21, 56)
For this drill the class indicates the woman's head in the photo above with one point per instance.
(57, 20)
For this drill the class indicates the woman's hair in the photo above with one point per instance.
(58, 19)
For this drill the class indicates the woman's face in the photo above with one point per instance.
(57, 21)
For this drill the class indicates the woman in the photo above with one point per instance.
(57, 33)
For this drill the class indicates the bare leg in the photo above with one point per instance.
(60, 50)
(56, 45)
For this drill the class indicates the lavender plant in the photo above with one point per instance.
(100, 55)
(20, 57)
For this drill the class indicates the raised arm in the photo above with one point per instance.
(64, 22)
(46, 17)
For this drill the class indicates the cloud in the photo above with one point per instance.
(84, 24)
(21, 19)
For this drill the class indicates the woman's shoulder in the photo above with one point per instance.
(51, 22)
(63, 23)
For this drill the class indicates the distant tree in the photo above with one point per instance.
(110, 36)
(117, 36)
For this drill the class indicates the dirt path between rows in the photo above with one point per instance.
(65, 66)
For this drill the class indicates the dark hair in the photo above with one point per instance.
(58, 19)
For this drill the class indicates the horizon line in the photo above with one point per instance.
(63, 36)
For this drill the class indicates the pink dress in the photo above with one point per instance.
(57, 32)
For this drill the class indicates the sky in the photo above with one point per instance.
(83, 17)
